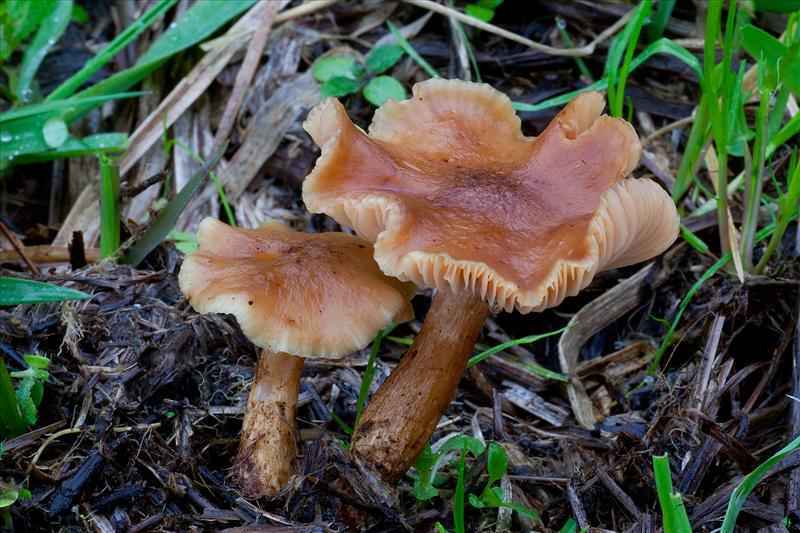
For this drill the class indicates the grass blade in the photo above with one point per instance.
(205, 18)
(458, 496)
(122, 40)
(655, 30)
(474, 360)
(662, 46)
(165, 220)
(46, 107)
(109, 207)
(369, 371)
(749, 482)
(674, 513)
(408, 49)
(199, 22)
(50, 31)
(11, 423)
(15, 291)
(102, 143)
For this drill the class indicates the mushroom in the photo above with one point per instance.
(294, 295)
(456, 198)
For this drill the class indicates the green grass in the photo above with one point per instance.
(109, 207)
(544, 372)
(369, 371)
(673, 511)
(164, 221)
(536, 369)
(16, 291)
(620, 56)
(749, 482)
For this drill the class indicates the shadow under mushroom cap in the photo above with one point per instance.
(454, 195)
(306, 294)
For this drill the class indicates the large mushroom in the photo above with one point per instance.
(455, 197)
(294, 295)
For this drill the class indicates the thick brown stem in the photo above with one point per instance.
(267, 452)
(402, 415)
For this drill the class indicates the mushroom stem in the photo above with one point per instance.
(402, 415)
(267, 451)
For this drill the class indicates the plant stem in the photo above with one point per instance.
(402, 415)
(268, 451)
(109, 207)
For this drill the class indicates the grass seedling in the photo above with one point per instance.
(672, 508)
(109, 207)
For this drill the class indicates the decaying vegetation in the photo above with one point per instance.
(122, 407)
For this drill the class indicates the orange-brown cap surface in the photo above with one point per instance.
(455, 196)
(313, 295)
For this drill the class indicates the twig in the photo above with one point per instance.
(129, 191)
(586, 50)
(246, 72)
(19, 247)
(616, 491)
(44, 253)
(668, 128)
(577, 506)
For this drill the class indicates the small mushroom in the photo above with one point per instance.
(294, 295)
(455, 197)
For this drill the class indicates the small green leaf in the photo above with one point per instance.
(380, 89)
(489, 4)
(384, 57)
(37, 361)
(185, 242)
(7, 497)
(26, 406)
(334, 67)
(770, 51)
(496, 462)
(465, 442)
(55, 132)
(479, 12)
(14, 291)
(339, 86)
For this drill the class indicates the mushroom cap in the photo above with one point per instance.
(306, 294)
(455, 196)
